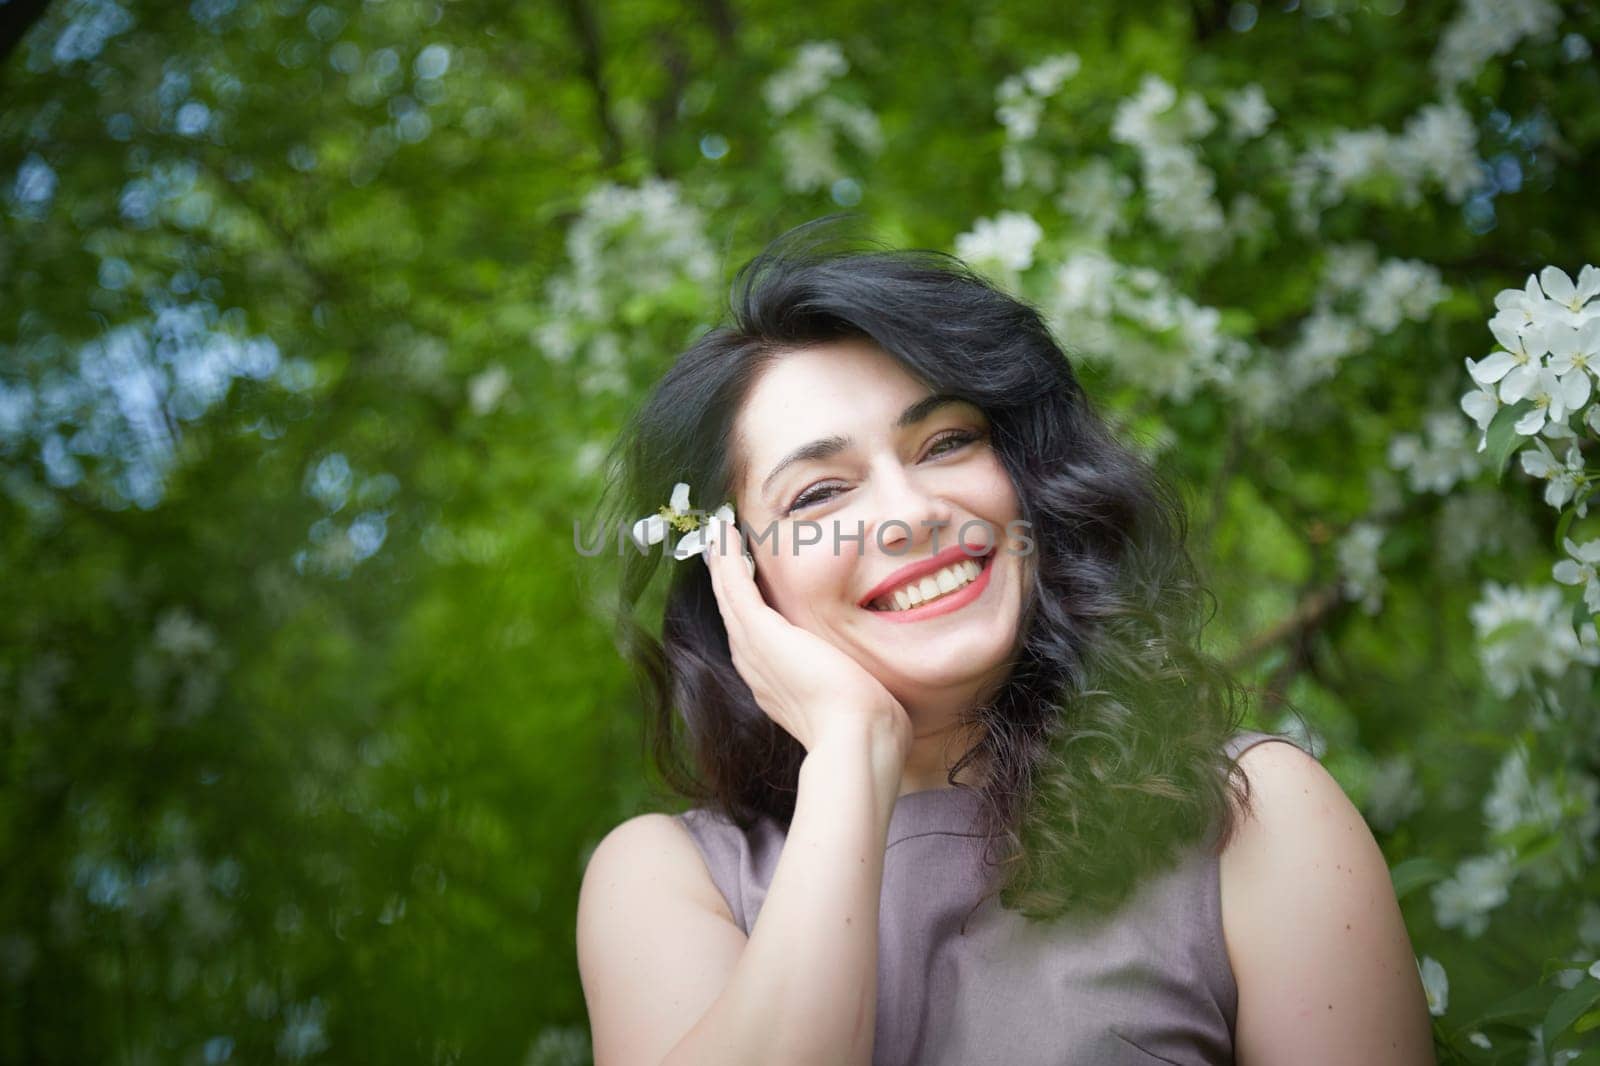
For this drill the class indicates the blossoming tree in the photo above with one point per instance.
(320, 316)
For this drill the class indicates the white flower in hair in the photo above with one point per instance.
(699, 531)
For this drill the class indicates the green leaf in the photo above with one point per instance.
(1525, 1007)
(1503, 437)
(1587, 1022)
(1413, 874)
(1522, 837)
(1568, 1008)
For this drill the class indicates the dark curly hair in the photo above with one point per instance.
(1104, 747)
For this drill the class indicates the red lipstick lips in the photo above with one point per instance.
(922, 567)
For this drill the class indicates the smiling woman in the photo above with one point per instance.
(966, 790)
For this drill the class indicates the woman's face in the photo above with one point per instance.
(838, 439)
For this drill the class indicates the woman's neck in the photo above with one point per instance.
(934, 750)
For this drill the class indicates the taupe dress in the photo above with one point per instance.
(1151, 984)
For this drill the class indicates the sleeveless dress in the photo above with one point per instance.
(1151, 983)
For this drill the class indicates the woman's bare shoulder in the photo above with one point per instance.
(1314, 934)
(656, 943)
(651, 853)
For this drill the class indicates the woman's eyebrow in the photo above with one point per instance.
(828, 447)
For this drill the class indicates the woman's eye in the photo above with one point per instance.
(944, 444)
(955, 440)
(815, 494)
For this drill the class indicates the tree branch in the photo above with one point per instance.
(723, 21)
(592, 64)
(1308, 616)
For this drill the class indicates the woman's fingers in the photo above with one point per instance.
(737, 583)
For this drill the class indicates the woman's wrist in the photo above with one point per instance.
(882, 741)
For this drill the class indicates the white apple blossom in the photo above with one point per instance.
(652, 529)
(1477, 1039)
(1523, 307)
(1017, 109)
(1559, 288)
(1158, 123)
(1136, 121)
(1518, 363)
(1563, 479)
(1393, 794)
(1479, 885)
(1180, 191)
(1249, 114)
(1437, 147)
(1581, 569)
(1435, 984)
(1483, 29)
(1020, 101)
(1360, 578)
(640, 241)
(1439, 458)
(1006, 241)
(1400, 289)
(1514, 800)
(1094, 195)
(1575, 352)
(1439, 144)
(1553, 398)
(700, 532)
(856, 122)
(1084, 286)
(1136, 321)
(1326, 338)
(487, 388)
(816, 63)
(810, 161)
(1048, 75)
(1023, 163)
(1522, 631)
(1481, 405)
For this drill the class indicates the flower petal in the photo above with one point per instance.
(648, 531)
(680, 497)
(1517, 384)
(1567, 572)
(1556, 284)
(1509, 334)
(1588, 283)
(1492, 367)
(691, 543)
(1480, 406)
(1575, 389)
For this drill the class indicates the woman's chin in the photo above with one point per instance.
(942, 669)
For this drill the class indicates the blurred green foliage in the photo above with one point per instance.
(315, 327)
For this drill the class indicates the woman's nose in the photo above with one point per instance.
(909, 514)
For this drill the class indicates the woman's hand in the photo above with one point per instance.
(806, 685)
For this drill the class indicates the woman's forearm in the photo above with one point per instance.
(805, 987)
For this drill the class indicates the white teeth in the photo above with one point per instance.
(931, 587)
